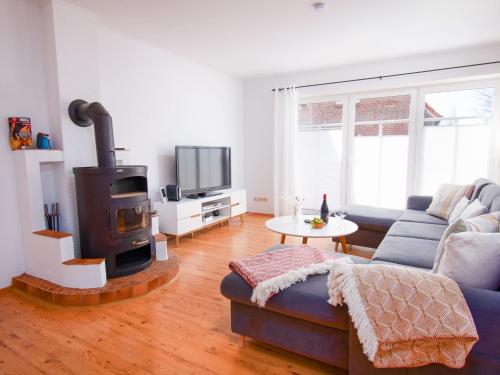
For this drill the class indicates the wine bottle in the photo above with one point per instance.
(325, 212)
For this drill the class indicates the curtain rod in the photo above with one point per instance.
(392, 75)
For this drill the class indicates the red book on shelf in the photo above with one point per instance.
(20, 133)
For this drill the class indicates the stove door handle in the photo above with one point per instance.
(140, 242)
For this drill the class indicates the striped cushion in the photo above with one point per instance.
(447, 197)
(487, 223)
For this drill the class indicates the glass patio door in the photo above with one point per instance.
(379, 146)
(456, 134)
(320, 150)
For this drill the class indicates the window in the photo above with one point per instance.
(456, 138)
(375, 149)
(320, 147)
(380, 150)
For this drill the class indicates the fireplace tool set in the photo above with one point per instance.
(52, 217)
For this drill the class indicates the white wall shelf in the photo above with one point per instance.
(46, 251)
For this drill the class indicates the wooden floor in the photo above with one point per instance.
(180, 328)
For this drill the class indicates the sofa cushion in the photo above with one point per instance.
(372, 218)
(303, 300)
(488, 194)
(417, 230)
(418, 202)
(459, 209)
(421, 217)
(447, 197)
(479, 184)
(409, 251)
(474, 209)
(495, 205)
(472, 259)
(486, 223)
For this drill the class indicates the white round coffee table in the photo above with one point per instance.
(336, 228)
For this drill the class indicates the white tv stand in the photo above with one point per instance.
(178, 218)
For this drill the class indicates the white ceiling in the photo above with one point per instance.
(250, 38)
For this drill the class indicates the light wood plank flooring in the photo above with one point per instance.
(180, 328)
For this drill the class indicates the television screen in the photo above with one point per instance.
(201, 169)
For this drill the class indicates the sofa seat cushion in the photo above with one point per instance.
(417, 230)
(305, 300)
(421, 217)
(372, 218)
(416, 252)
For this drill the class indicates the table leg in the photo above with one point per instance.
(304, 240)
(241, 341)
(283, 236)
(344, 244)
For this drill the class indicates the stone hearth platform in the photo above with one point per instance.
(117, 289)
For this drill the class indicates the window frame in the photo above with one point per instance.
(415, 127)
(412, 92)
(420, 126)
(345, 108)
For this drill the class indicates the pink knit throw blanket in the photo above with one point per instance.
(271, 272)
(405, 317)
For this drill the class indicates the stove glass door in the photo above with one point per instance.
(130, 219)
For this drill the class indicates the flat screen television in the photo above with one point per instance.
(202, 169)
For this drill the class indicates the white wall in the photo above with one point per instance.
(22, 93)
(59, 52)
(159, 100)
(73, 63)
(259, 101)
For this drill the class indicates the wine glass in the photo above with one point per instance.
(340, 214)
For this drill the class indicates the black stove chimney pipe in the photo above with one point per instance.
(85, 114)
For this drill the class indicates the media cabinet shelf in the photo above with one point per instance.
(179, 218)
(216, 208)
(219, 220)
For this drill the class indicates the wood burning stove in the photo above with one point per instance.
(113, 206)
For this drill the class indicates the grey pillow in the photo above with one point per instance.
(487, 223)
(455, 227)
(472, 259)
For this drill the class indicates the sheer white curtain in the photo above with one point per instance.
(285, 135)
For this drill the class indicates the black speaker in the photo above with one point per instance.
(174, 192)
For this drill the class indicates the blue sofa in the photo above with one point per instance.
(300, 320)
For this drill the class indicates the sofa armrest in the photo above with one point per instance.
(484, 306)
(418, 202)
(483, 303)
